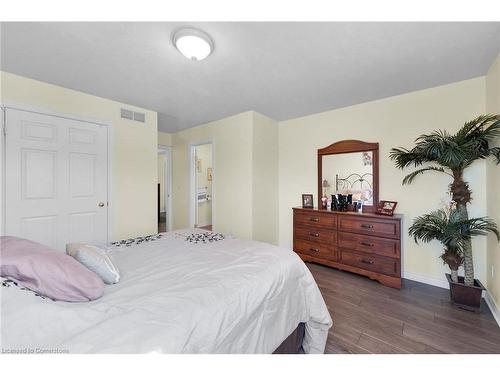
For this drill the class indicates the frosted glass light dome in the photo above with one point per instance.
(194, 44)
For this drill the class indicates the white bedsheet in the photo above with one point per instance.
(232, 296)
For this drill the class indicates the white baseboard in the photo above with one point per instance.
(426, 280)
(495, 310)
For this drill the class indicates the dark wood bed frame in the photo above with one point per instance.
(293, 343)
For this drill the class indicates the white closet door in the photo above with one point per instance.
(56, 179)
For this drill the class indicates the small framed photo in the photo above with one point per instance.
(386, 208)
(307, 201)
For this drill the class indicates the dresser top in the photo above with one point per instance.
(358, 214)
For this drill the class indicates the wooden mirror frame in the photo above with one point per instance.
(346, 147)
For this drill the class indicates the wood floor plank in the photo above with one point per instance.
(372, 318)
(376, 346)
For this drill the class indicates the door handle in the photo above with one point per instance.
(314, 234)
(366, 261)
(315, 219)
(101, 204)
(314, 249)
(366, 226)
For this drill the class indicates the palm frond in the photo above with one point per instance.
(495, 152)
(404, 157)
(478, 124)
(453, 151)
(451, 229)
(480, 226)
(408, 179)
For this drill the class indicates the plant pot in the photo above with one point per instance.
(465, 296)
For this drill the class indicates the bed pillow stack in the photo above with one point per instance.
(96, 260)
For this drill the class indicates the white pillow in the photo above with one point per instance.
(96, 260)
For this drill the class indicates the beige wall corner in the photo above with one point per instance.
(493, 186)
(265, 179)
(394, 121)
(134, 149)
(232, 170)
(164, 139)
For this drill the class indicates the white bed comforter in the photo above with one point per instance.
(231, 296)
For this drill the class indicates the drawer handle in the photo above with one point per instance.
(367, 226)
(315, 219)
(314, 249)
(366, 261)
(367, 244)
(314, 234)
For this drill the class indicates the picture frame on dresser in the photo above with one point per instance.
(307, 201)
(386, 208)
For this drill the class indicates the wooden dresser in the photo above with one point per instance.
(363, 243)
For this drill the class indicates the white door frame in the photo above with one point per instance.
(42, 111)
(167, 182)
(193, 202)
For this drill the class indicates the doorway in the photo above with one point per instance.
(202, 180)
(163, 189)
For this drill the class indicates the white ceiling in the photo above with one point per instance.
(283, 70)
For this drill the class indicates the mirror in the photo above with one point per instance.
(349, 174)
(349, 167)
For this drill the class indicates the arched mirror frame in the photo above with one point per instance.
(345, 147)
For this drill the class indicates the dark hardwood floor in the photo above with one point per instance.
(371, 318)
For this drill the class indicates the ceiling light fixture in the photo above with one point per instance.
(195, 44)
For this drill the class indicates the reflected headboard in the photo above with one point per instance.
(350, 182)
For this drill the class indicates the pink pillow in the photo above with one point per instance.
(48, 272)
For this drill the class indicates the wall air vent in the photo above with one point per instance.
(131, 115)
(138, 116)
(128, 114)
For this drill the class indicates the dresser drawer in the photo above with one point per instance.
(316, 235)
(373, 226)
(369, 244)
(316, 219)
(316, 249)
(374, 263)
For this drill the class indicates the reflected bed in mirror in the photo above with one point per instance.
(349, 174)
(349, 167)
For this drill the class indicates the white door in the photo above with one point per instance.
(55, 179)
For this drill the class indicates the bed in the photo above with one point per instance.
(179, 296)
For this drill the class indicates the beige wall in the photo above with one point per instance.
(395, 121)
(265, 179)
(164, 139)
(493, 184)
(232, 185)
(134, 173)
(245, 175)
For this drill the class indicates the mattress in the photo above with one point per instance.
(177, 296)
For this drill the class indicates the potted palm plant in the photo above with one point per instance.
(448, 227)
(452, 154)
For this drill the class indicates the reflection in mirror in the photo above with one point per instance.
(350, 173)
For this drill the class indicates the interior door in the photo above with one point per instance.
(55, 179)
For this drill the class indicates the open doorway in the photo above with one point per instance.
(202, 179)
(163, 189)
